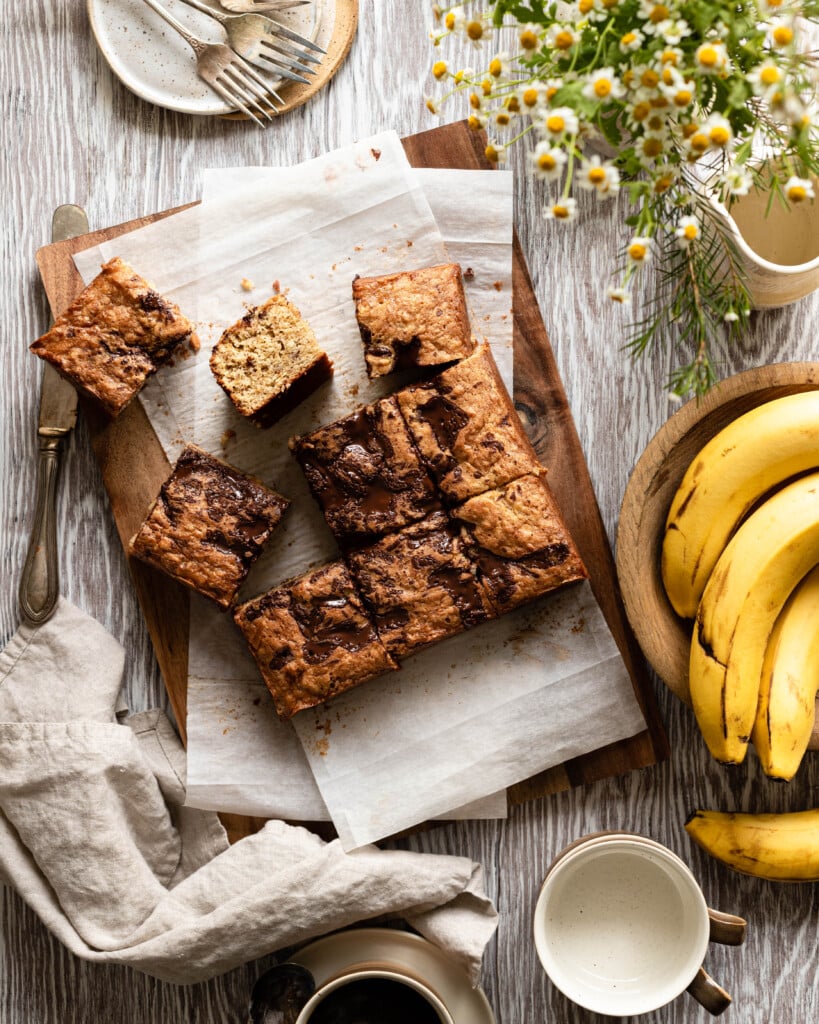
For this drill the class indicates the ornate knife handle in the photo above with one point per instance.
(40, 585)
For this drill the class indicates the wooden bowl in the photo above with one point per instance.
(664, 637)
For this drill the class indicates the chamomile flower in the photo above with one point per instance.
(431, 103)
(631, 40)
(563, 209)
(672, 55)
(599, 175)
(500, 65)
(560, 121)
(562, 37)
(603, 85)
(737, 181)
(673, 31)
(651, 148)
(687, 231)
(602, 9)
(439, 69)
(712, 57)
(765, 78)
(697, 141)
(719, 131)
(495, 153)
(797, 190)
(731, 317)
(529, 37)
(502, 117)
(780, 34)
(619, 295)
(654, 12)
(548, 161)
(664, 178)
(638, 250)
(455, 19)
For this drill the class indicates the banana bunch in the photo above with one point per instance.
(739, 541)
(780, 847)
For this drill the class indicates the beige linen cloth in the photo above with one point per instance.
(94, 837)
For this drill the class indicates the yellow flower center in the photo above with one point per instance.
(797, 193)
(649, 78)
(513, 104)
(663, 183)
(546, 162)
(637, 251)
(690, 232)
(707, 56)
(529, 40)
(474, 123)
(597, 175)
(720, 135)
(782, 35)
(667, 76)
(561, 212)
(474, 101)
(555, 124)
(769, 76)
(659, 13)
(608, 4)
(530, 97)
(690, 129)
(641, 111)
(460, 75)
(564, 40)
(491, 154)
(655, 123)
(496, 67)
(585, 6)
(502, 118)
(431, 107)
(628, 38)
(439, 68)
(474, 29)
(602, 88)
(683, 97)
(699, 142)
(658, 102)
(449, 21)
(652, 147)
(550, 92)
(628, 76)
(486, 87)
(669, 57)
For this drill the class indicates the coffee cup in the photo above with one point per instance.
(622, 927)
(370, 993)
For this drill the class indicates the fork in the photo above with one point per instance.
(266, 42)
(226, 73)
(260, 6)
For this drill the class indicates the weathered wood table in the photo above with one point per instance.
(73, 133)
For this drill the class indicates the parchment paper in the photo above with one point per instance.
(466, 718)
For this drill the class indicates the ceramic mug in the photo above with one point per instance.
(374, 992)
(622, 927)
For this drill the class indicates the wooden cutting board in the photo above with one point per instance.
(134, 466)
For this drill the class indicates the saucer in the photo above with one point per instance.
(326, 957)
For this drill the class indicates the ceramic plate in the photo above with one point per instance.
(155, 62)
(327, 957)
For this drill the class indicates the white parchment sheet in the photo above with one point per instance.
(464, 719)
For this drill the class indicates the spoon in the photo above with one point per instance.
(280, 994)
(260, 6)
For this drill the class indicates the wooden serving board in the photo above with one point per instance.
(134, 467)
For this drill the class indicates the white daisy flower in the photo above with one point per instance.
(560, 121)
(639, 249)
(687, 231)
(600, 175)
(563, 209)
(603, 85)
(797, 190)
(631, 41)
(765, 79)
(548, 161)
(737, 181)
(712, 57)
(620, 295)
(562, 37)
(718, 130)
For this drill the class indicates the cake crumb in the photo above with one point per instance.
(277, 288)
(376, 154)
(247, 286)
(497, 285)
(409, 243)
(227, 437)
(469, 274)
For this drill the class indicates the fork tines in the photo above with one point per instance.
(241, 86)
(294, 37)
(284, 57)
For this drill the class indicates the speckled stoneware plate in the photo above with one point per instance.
(329, 956)
(155, 62)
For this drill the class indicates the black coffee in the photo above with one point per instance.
(375, 1001)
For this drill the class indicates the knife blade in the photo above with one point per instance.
(40, 583)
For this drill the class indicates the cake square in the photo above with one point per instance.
(420, 585)
(113, 336)
(208, 525)
(269, 361)
(466, 428)
(518, 540)
(413, 318)
(365, 472)
(312, 639)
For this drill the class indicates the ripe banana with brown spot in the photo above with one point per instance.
(773, 549)
(781, 847)
(758, 451)
(790, 679)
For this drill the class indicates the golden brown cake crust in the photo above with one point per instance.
(413, 318)
(420, 585)
(113, 336)
(208, 525)
(269, 361)
(365, 472)
(312, 639)
(466, 428)
(517, 538)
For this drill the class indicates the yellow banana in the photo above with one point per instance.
(790, 678)
(765, 559)
(782, 847)
(758, 451)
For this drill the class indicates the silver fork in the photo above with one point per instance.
(226, 73)
(266, 43)
(260, 6)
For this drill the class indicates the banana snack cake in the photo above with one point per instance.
(113, 336)
(312, 639)
(269, 361)
(412, 318)
(208, 525)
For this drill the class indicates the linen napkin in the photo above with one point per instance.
(94, 837)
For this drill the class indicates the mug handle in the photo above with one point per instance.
(708, 993)
(727, 929)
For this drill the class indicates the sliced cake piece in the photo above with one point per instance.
(269, 361)
(312, 639)
(365, 472)
(420, 585)
(113, 336)
(414, 318)
(466, 428)
(517, 538)
(208, 525)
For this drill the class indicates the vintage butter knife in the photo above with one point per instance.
(40, 585)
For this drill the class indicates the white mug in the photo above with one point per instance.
(622, 927)
(402, 990)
